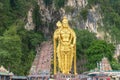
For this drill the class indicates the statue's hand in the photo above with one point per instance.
(72, 45)
(75, 73)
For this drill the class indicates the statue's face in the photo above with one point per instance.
(65, 25)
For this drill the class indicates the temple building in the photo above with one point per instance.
(104, 71)
(4, 74)
(105, 65)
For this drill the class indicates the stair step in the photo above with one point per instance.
(43, 57)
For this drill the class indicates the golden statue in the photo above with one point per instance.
(64, 47)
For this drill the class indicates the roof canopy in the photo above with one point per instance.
(2, 69)
(19, 77)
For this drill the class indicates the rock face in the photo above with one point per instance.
(94, 17)
(117, 51)
(77, 3)
(72, 8)
(29, 25)
(49, 17)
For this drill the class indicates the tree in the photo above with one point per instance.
(59, 3)
(119, 58)
(48, 2)
(97, 51)
(115, 65)
(17, 45)
(30, 39)
(37, 17)
(19, 7)
(84, 13)
(10, 50)
(84, 39)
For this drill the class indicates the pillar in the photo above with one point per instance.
(0, 77)
(4, 77)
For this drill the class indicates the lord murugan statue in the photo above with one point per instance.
(64, 47)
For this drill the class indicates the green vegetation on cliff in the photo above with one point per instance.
(90, 51)
(110, 10)
(17, 45)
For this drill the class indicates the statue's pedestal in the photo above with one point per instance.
(66, 77)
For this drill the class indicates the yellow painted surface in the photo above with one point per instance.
(64, 47)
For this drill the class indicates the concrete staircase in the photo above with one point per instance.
(42, 61)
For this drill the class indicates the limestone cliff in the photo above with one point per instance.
(117, 51)
(29, 25)
(72, 9)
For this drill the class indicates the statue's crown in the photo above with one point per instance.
(65, 20)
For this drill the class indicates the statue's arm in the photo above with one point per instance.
(73, 37)
(74, 50)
